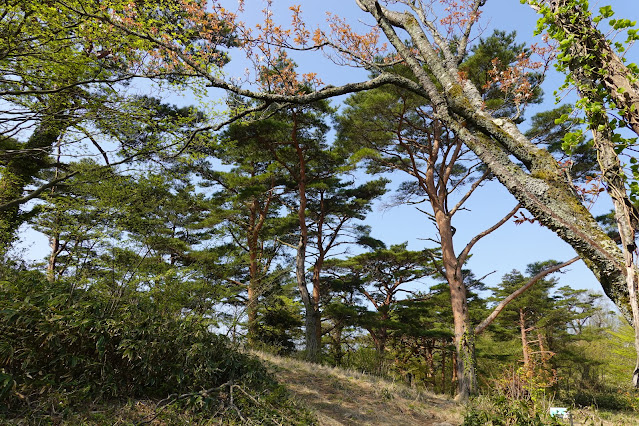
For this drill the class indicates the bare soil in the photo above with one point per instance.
(341, 397)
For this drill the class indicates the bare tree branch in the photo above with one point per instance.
(36, 192)
(464, 254)
(500, 307)
(472, 189)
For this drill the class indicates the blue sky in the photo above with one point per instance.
(510, 247)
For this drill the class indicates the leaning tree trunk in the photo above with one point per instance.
(542, 187)
(590, 71)
(625, 216)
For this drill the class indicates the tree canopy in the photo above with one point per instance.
(220, 210)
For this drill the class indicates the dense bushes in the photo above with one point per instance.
(68, 346)
(610, 399)
(499, 410)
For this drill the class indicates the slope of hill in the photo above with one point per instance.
(341, 397)
(315, 394)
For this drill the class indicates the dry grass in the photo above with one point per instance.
(341, 397)
(589, 416)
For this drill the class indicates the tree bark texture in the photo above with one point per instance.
(251, 307)
(18, 172)
(54, 243)
(312, 342)
(592, 54)
(313, 329)
(541, 186)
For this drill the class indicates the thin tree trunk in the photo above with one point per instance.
(318, 326)
(251, 303)
(310, 322)
(524, 339)
(430, 361)
(312, 334)
(54, 243)
(257, 217)
(545, 354)
(444, 351)
(54, 238)
(317, 314)
(380, 347)
(338, 354)
(251, 307)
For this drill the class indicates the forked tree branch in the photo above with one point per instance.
(464, 254)
(36, 192)
(500, 307)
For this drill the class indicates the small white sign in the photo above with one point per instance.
(559, 412)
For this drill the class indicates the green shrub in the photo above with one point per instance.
(62, 348)
(501, 411)
(611, 399)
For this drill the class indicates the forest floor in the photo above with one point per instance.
(344, 397)
(334, 396)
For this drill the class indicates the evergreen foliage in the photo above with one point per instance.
(193, 242)
(63, 346)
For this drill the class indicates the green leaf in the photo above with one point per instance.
(606, 11)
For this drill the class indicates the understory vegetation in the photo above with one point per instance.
(64, 348)
(163, 221)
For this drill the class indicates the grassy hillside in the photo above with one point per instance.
(316, 395)
(341, 397)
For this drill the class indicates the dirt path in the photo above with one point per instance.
(340, 397)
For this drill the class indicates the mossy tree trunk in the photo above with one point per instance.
(20, 169)
(541, 186)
